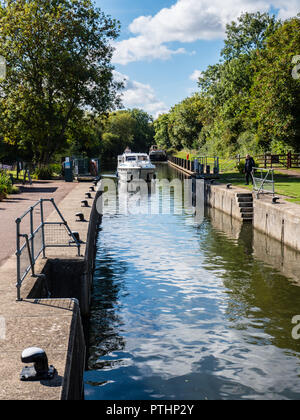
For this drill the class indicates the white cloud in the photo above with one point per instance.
(188, 21)
(195, 76)
(140, 95)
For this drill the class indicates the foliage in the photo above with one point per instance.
(6, 186)
(44, 172)
(241, 166)
(161, 128)
(132, 128)
(58, 57)
(248, 101)
(275, 94)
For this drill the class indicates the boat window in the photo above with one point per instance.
(129, 158)
(142, 157)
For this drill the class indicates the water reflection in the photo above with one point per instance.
(188, 311)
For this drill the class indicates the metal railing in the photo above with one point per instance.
(265, 183)
(202, 165)
(39, 236)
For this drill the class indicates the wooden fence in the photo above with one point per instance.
(289, 160)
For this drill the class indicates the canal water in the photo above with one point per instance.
(184, 310)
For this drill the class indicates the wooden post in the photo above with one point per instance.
(289, 160)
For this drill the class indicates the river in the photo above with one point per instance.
(183, 310)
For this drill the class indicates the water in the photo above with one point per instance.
(187, 311)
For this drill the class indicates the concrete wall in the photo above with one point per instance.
(89, 258)
(263, 247)
(280, 221)
(224, 199)
(73, 385)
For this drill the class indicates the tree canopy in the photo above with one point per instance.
(247, 102)
(58, 56)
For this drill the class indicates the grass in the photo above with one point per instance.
(285, 185)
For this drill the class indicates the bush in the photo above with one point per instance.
(2, 192)
(241, 166)
(44, 173)
(5, 183)
(56, 168)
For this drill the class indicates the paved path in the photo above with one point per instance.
(15, 205)
(289, 172)
(48, 324)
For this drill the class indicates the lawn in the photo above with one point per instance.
(285, 185)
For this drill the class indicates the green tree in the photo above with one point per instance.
(161, 128)
(227, 85)
(58, 57)
(143, 133)
(185, 123)
(118, 133)
(248, 34)
(84, 135)
(275, 95)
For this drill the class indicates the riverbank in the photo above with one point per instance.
(53, 324)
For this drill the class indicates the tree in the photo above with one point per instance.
(84, 135)
(118, 133)
(248, 34)
(186, 123)
(227, 85)
(275, 95)
(143, 133)
(58, 57)
(161, 136)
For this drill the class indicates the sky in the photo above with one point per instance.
(164, 45)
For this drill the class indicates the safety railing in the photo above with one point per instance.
(263, 181)
(202, 165)
(34, 236)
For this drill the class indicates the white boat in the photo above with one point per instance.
(134, 166)
(156, 154)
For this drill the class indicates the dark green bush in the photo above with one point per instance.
(44, 173)
(5, 183)
(241, 166)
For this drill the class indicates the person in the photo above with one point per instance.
(249, 165)
(93, 168)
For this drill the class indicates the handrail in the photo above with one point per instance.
(32, 237)
(259, 183)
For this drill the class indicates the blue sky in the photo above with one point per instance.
(165, 44)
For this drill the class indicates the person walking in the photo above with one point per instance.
(249, 165)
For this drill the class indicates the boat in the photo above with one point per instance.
(156, 154)
(135, 166)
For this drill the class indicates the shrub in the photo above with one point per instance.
(241, 166)
(5, 183)
(2, 192)
(56, 168)
(44, 173)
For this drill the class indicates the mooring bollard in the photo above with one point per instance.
(84, 203)
(88, 195)
(80, 216)
(40, 370)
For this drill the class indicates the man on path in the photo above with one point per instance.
(249, 165)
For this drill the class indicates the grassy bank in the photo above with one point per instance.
(285, 185)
